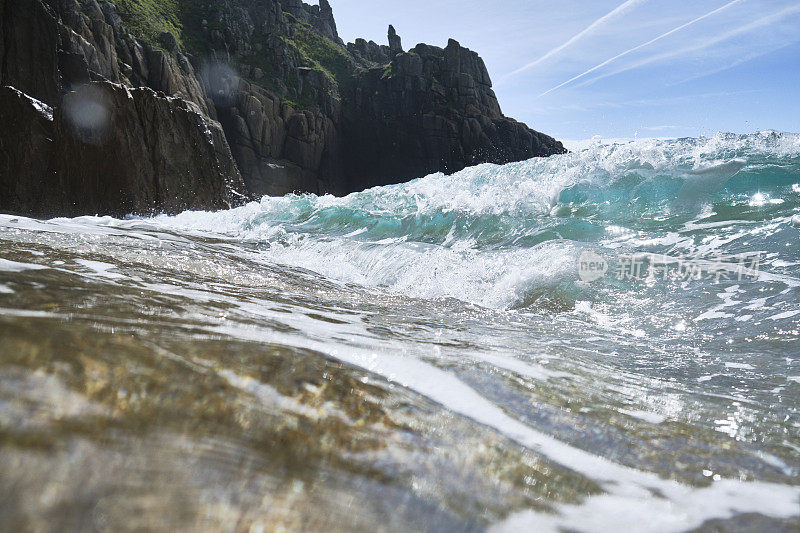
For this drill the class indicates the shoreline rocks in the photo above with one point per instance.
(114, 151)
(251, 98)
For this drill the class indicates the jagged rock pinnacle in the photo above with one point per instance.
(395, 44)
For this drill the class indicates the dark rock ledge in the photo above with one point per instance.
(108, 109)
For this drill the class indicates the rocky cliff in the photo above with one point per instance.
(154, 105)
(429, 110)
(112, 150)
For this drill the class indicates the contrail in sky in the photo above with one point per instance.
(757, 24)
(648, 43)
(619, 10)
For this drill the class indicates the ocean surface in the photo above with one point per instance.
(604, 340)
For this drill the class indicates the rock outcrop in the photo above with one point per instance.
(24, 155)
(395, 43)
(120, 150)
(280, 149)
(319, 17)
(30, 48)
(431, 110)
(112, 150)
(206, 107)
(106, 148)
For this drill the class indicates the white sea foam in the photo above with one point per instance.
(632, 496)
(647, 416)
(784, 316)
(739, 366)
(374, 247)
(14, 266)
(526, 188)
(101, 269)
(318, 234)
(682, 509)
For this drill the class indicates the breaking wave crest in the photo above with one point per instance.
(503, 236)
(433, 342)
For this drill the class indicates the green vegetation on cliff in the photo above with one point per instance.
(319, 52)
(147, 19)
(191, 22)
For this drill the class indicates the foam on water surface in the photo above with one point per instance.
(465, 292)
(15, 266)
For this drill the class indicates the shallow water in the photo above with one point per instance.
(427, 356)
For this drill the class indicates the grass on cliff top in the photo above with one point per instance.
(189, 21)
(147, 19)
(319, 52)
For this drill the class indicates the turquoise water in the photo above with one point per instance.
(482, 378)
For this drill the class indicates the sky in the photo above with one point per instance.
(577, 69)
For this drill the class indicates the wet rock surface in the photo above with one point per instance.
(112, 150)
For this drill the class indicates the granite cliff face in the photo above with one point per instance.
(112, 150)
(149, 105)
(430, 110)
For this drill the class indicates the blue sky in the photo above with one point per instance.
(647, 68)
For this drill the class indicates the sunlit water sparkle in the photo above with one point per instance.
(420, 356)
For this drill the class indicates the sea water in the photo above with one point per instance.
(599, 340)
